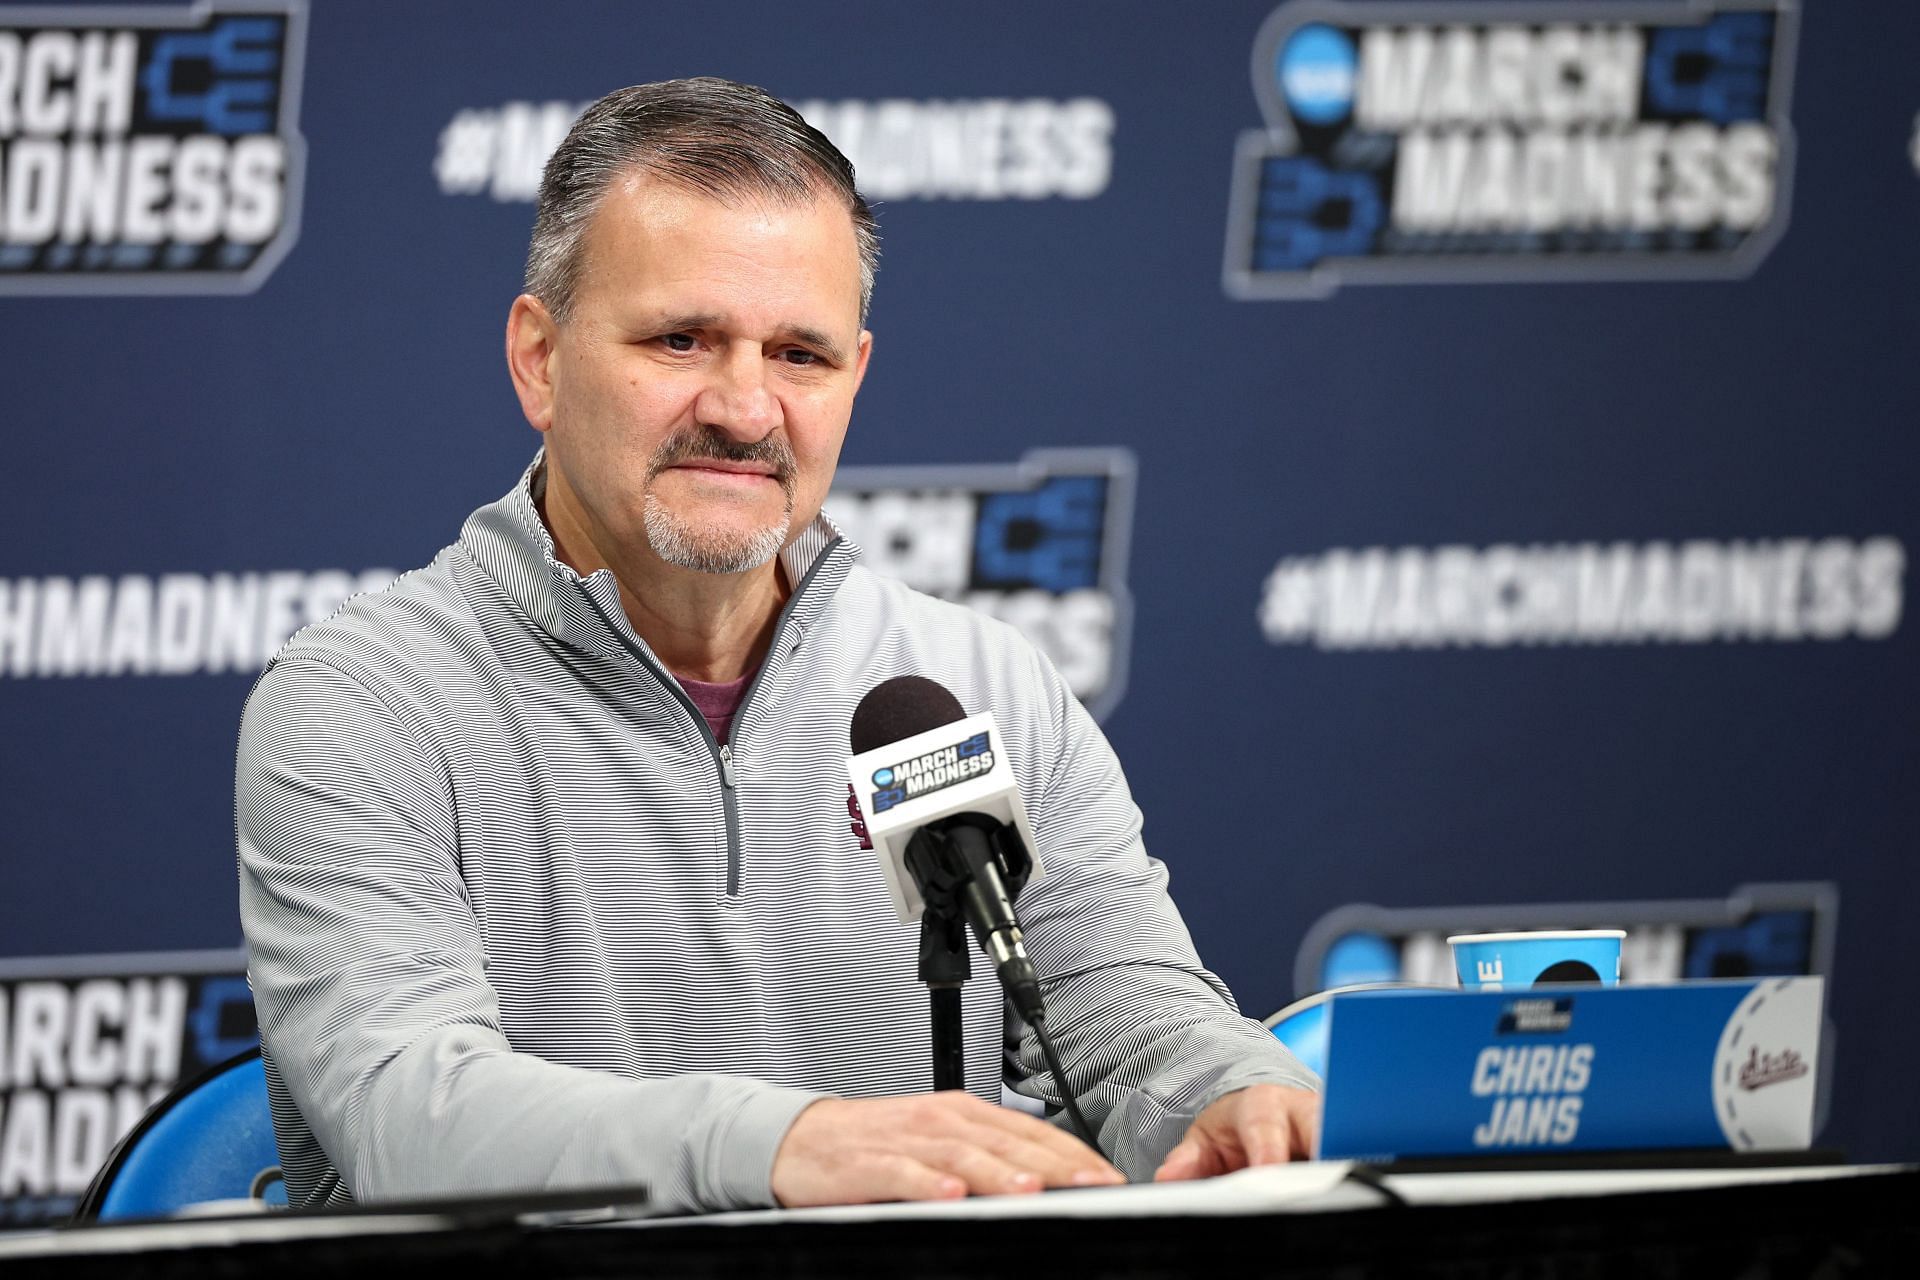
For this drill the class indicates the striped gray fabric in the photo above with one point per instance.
(510, 928)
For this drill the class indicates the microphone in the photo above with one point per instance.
(943, 811)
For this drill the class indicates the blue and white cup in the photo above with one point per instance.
(1544, 958)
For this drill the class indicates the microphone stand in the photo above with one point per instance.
(945, 968)
(970, 863)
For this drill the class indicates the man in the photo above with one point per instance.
(545, 860)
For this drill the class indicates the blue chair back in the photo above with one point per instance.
(211, 1138)
(1302, 1025)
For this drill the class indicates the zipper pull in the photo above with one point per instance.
(726, 767)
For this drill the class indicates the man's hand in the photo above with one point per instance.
(936, 1146)
(1261, 1124)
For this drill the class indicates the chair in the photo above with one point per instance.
(209, 1139)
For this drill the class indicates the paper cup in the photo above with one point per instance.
(1492, 961)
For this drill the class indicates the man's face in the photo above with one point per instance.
(696, 399)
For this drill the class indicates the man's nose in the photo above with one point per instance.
(738, 399)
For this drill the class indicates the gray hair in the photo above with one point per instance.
(715, 137)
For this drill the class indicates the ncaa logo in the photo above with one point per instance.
(1316, 71)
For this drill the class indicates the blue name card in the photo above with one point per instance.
(1727, 1064)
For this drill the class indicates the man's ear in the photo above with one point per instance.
(864, 352)
(531, 337)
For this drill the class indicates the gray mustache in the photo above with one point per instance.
(707, 444)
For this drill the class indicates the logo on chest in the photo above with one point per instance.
(857, 821)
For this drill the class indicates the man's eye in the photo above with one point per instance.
(678, 341)
(802, 358)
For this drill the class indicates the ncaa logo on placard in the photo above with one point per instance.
(149, 149)
(1041, 545)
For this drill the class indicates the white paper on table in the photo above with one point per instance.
(1262, 1190)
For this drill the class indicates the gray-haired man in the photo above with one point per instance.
(546, 865)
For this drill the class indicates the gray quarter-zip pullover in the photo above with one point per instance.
(516, 922)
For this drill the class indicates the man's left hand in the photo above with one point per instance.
(1260, 1124)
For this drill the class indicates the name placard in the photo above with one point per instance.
(1729, 1064)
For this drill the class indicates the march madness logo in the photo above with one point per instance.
(932, 771)
(1476, 142)
(1532, 1017)
(149, 150)
(1041, 545)
(87, 1044)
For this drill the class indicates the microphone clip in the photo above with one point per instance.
(949, 859)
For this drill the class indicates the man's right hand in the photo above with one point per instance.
(935, 1146)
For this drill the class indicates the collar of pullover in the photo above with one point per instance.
(509, 541)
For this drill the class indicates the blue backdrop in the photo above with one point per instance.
(1663, 430)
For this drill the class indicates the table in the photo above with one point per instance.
(1313, 1220)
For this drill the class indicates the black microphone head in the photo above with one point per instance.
(899, 708)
